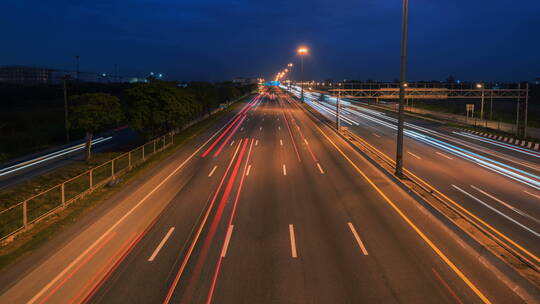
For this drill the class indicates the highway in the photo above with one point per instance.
(39, 163)
(497, 183)
(267, 206)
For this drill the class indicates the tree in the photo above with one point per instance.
(159, 107)
(93, 112)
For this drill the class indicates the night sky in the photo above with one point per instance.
(222, 39)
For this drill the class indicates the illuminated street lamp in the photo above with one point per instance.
(481, 86)
(302, 51)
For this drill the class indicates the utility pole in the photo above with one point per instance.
(399, 149)
(517, 113)
(526, 109)
(338, 110)
(491, 104)
(66, 122)
(482, 104)
(302, 79)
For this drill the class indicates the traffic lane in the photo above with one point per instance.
(126, 202)
(258, 266)
(522, 161)
(465, 260)
(153, 265)
(193, 277)
(443, 170)
(143, 276)
(417, 152)
(398, 263)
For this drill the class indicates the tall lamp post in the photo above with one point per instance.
(290, 66)
(302, 51)
(481, 86)
(402, 73)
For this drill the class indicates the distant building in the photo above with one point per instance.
(37, 75)
(243, 81)
(25, 75)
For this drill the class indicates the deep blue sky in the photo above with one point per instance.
(222, 39)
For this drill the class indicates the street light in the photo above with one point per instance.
(402, 73)
(302, 51)
(481, 86)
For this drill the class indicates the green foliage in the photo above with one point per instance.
(93, 112)
(158, 107)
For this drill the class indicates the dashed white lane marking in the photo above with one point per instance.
(257, 142)
(414, 155)
(212, 172)
(248, 169)
(496, 210)
(444, 155)
(532, 194)
(163, 241)
(232, 143)
(227, 240)
(241, 129)
(358, 240)
(263, 119)
(305, 140)
(284, 170)
(281, 142)
(260, 128)
(376, 135)
(279, 128)
(293, 241)
(505, 204)
(320, 168)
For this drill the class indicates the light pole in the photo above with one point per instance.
(302, 51)
(338, 109)
(481, 86)
(402, 73)
(66, 122)
(290, 66)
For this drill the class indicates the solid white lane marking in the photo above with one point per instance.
(416, 156)
(496, 211)
(320, 168)
(257, 142)
(532, 194)
(505, 204)
(227, 239)
(163, 241)
(376, 135)
(212, 172)
(232, 143)
(293, 241)
(281, 142)
(444, 155)
(248, 169)
(284, 170)
(357, 237)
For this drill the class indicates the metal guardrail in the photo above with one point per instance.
(23, 215)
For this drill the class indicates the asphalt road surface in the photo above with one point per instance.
(497, 184)
(267, 206)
